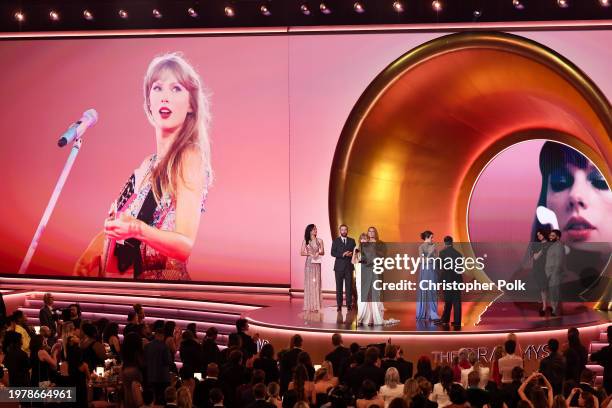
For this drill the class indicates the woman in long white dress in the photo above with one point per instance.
(370, 309)
(312, 249)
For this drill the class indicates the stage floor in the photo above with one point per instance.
(478, 318)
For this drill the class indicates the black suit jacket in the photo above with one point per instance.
(249, 347)
(604, 357)
(261, 404)
(339, 358)
(403, 367)
(450, 275)
(342, 262)
(47, 318)
(287, 363)
(553, 368)
(202, 390)
(356, 377)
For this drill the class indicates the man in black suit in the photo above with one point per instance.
(369, 370)
(553, 366)
(288, 361)
(259, 392)
(604, 357)
(452, 298)
(47, 315)
(394, 357)
(339, 357)
(249, 347)
(201, 392)
(342, 249)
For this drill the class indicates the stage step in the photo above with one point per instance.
(596, 346)
(595, 368)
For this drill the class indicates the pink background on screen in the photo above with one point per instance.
(278, 105)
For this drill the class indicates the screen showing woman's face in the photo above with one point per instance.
(582, 201)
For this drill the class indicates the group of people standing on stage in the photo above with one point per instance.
(359, 258)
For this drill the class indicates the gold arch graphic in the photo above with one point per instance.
(417, 139)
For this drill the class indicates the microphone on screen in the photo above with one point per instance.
(78, 128)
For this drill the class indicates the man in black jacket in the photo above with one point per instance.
(342, 249)
(339, 357)
(288, 361)
(249, 347)
(553, 367)
(47, 316)
(452, 298)
(369, 370)
(202, 389)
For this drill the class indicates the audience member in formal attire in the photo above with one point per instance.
(440, 391)
(509, 361)
(475, 394)
(43, 364)
(369, 395)
(19, 323)
(424, 369)
(210, 348)
(305, 360)
(267, 363)
(74, 316)
(201, 393)
(93, 350)
(604, 358)
(369, 370)
(111, 337)
(16, 360)
(158, 360)
(510, 390)
(475, 365)
(339, 356)
(249, 347)
(260, 395)
(324, 378)
(302, 385)
(244, 393)
(132, 323)
(233, 374)
(172, 338)
(288, 361)
(457, 396)
(393, 387)
(575, 355)
(47, 316)
(394, 358)
(78, 373)
(192, 327)
(190, 352)
(496, 377)
(553, 366)
(234, 342)
(132, 386)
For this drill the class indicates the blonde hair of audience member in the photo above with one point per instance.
(392, 378)
(183, 398)
(411, 389)
(391, 390)
(273, 394)
(67, 332)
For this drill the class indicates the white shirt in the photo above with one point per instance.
(506, 364)
(388, 394)
(484, 376)
(439, 395)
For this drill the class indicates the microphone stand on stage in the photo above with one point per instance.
(75, 131)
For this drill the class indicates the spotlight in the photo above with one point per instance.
(477, 14)
(563, 3)
(229, 11)
(265, 10)
(304, 9)
(54, 15)
(604, 3)
(88, 15)
(358, 7)
(436, 5)
(123, 14)
(157, 13)
(398, 6)
(192, 13)
(518, 4)
(19, 16)
(324, 9)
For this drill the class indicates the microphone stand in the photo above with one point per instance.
(74, 151)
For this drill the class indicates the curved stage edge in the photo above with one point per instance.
(277, 315)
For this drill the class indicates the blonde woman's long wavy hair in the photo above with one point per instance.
(193, 134)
